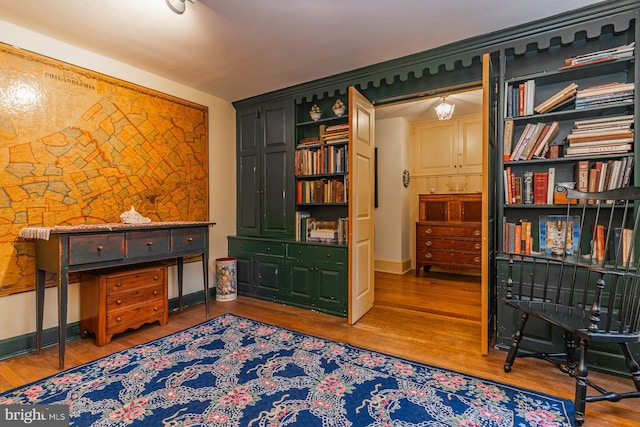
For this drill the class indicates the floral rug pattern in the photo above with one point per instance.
(232, 371)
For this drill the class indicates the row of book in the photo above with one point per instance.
(322, 191)
(310, 229)
(534, 141)
(603, 175)
(334, 134)
(520, 98)
(530, 188)
(601, 135)
(324, 159)
(559, 235)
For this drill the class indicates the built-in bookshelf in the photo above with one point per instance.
(569, 124)
(322, 173)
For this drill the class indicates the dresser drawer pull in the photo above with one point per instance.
(477, 246)
(477, 232)
(99, 248)
(119, 284)
(428, 255)
(328, 255)
(149, 243)
(155, 292)
(119, 302)
(118, 319)
(190, 239)
(476, 259)
(155, 308)
(428, 230)
(428, 243)
(155, 277)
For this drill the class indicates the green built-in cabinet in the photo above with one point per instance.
(306, 275)
(544, 69)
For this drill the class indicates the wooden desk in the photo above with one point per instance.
(63, 250)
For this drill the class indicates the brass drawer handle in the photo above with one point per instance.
(155, 292)
(149, 243)
(476, 259)
(119, 302)
(477, 246)
(190, 239)
(155, 308)
(428, 243)
(155, 277)
(428, 230)
(428, 255)
(118, 319)
(99, 248)
(477, 232)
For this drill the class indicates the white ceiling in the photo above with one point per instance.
(236, 49)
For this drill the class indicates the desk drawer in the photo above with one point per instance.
(134, 314)
(448, 231)
(450, 244)
(239, 246)
(90, 248)
(321, 253)
(147, 243)
(188, 239)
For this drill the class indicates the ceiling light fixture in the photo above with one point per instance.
(444, 110)
(178, 6)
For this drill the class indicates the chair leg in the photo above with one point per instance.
(581, 383)
(570, 347)
(515, 343)
(632, 364)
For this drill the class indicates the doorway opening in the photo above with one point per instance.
(398, 165)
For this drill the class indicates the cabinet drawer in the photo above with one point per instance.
(136, 296)
(90, 248)
(426, 230)
(129, 281)
(147, 243)
(254, 246)
(461, 244)
(135, 313)
(188, 239)
(321, 253)
(449, 258)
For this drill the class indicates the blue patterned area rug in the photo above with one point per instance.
(232, 371)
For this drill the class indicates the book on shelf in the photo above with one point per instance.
(522, 141)
(581, 175)
(301, 222)
(619, 52)
(531, 141)
(549, 135)
(557, 99)
(527, 188)
(596, 96)
(551, 185)
(520, 98)
(517, 237)
(540, 187)
(599, 149)
(508, 139)
(598, 242)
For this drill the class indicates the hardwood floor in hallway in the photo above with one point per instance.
(433, 318)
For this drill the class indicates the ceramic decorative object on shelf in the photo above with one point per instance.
(339, 108)
(315, 113)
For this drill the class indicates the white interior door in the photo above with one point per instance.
(361, 205)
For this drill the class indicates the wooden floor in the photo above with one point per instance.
(432, 319)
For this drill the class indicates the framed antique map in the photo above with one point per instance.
(80, 147)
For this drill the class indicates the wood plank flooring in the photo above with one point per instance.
(432, 319)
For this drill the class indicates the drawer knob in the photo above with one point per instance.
(119, 302)
(149, 243)
(428, 243)
(99, 248)
(477, 232)
(428, 255)
(190, 239)
(118, 319)
(119, 284)
(155, 292)
(328, 255)
(476, 259)
(155, 277)
(477, 246)
(155, 308)
(428, 230)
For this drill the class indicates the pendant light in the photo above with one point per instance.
(444, 110)
(178, 6)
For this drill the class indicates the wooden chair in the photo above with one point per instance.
(585, 281)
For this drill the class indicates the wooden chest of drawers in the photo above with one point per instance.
(113, 301)
(449, 231)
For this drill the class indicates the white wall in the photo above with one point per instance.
(392, 222)
(17, 312)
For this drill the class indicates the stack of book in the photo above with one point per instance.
(322, 231)
(558, 100)
(603, 175)
(620, 52)
(534, 140)
(597, 96)
(606, 135)
(312, 140)
(335, 134)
